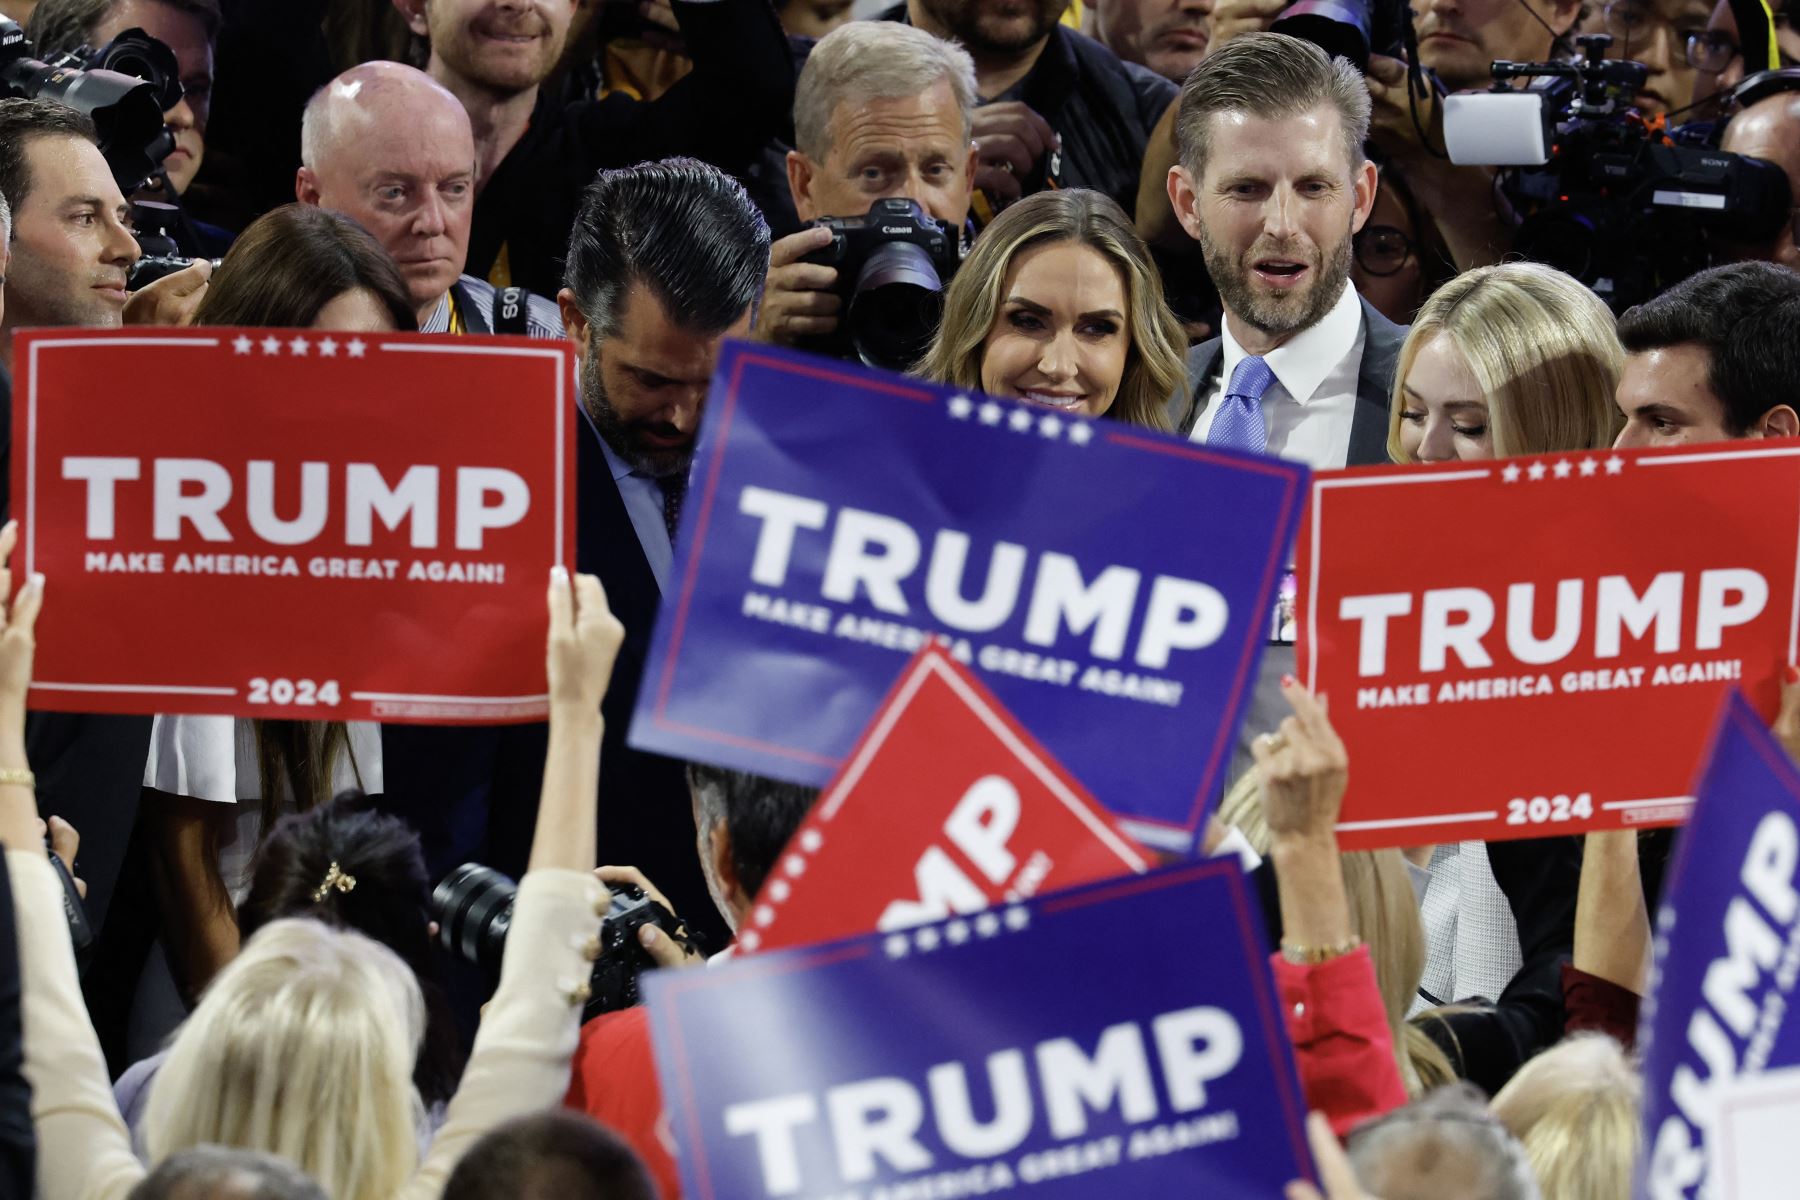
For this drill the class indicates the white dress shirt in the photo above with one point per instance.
(643, 498)
(1311, 403)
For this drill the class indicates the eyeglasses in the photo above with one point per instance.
(1381, 249)
(1711, 51)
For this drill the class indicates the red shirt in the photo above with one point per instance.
(614, 1082)
(1342, 1042)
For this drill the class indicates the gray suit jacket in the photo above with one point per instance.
(1374, 387)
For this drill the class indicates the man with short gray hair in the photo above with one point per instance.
(226, 1173)
(881, 110)
(1445, 1143)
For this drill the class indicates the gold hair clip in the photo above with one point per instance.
(334, 878)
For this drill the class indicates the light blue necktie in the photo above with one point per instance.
(1239, 424)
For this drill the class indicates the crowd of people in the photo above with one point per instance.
(1165, 213)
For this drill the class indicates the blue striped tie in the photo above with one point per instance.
(1239, 423)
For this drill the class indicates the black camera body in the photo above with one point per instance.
(892, 263)
(1352, 29)
(124, 87)
(473, 908)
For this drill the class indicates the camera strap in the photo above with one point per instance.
(512, 305)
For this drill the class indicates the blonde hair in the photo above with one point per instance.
(303, 1046)
(1543, 349)
(1384, 912)
(1575, 1109)
(1155, 365)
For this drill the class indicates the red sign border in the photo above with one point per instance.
(1615, 462)
(401, 343)
(931, 661)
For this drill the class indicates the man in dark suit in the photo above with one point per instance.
(1273, 184)
(665, 262)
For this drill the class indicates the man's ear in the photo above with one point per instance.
(1184, 198)
(800, 171)
(575, 324)
(306, 186)
(1365, 183)
(414, 13)
(718, 849)
(1779, 422)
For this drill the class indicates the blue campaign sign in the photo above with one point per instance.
(1113, 586)
(1112, 1040)
(1727, 958)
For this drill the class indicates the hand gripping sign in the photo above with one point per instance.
(284, 523)
(1115, 1040)
(1536, 646)
(1721, 1011)
(1112, 586)
(947, 806)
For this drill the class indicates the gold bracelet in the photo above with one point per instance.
(18, 777)
(1312, 956)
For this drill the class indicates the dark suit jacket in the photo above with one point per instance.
(473, 792)
(1374, 387)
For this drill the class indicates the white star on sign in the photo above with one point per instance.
(1535, 471)
(1563, 469)
(811, 840)
(779, 890)
(926, 938)
(1020, 420)
(961, 407)
(987, 925)
(271, 345)
(300, 346)
(794, 865)
(956, 932)
(1588, 467)
(991, 413)
(897, 945)
(1615, 465)
(1511, 474)
(764, 915)
(1050, 426)
(1017, 918)
(328, 348)
(242, 344)
(749, 939)
(356, 347)
(1080, 432)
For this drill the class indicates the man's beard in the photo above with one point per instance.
(620, 434)
(970, 23)
(1276, 313)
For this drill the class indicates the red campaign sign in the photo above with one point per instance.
(1537, 646)
(287, 523)
(945, 807)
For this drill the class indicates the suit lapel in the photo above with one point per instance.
(1374, 389)
(606, 545)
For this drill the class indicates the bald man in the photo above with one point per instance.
(1770, 129)
(391, 149)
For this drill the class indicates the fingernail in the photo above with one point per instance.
(1288, 681)
(37, 580)
(1792, 674)
(647, 935)
(559, 574)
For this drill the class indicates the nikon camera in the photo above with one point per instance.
(892, 265)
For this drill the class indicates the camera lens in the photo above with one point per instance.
(896, 306)
(473, 907)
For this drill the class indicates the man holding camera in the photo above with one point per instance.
(1769, 129)
(387, 146)
(190, 29)
(882, 111)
